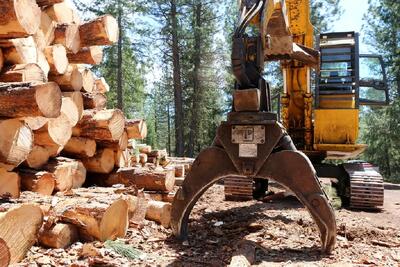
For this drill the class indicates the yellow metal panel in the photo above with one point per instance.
(337, 101)
(336, 126)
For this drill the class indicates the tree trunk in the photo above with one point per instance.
(88, 55)
(19, 18)
(68, 36)
(30, 72)
(80, 147)
(100, 31)
(120, 92)
(102, 162)
(19, 226)
(37, 181)
(179, 141)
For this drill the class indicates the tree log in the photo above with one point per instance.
(68, 36)
(136, 129)
(121, 144)
(88, 79)
(100, 31)
(24, 99)
(43, 3)
(163, 196)
(94, 101)
(34, 123)
(80, 147)
(70, 109)
(101, 125)
(42, 62)
(23, 73)
(102, 162)
(78, 100)
(19, 226)
(56, 55)
(101, 86)
(143, 158)
(38, 157)
(37, 181)
(45, 35)
(159, 212)
(62, 13)
(1, 60)
(71, 80)
(15, 144)
(9, 183)
(56, 132)
(157, 180)
(88, 55)
(69, 173)
(20, 51)
(19, 18)
(60, 235)
(122, 158)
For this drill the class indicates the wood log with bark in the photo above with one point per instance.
(92, 55)
(56, 56)
(38, 157)
(161, 196)
(159, 212)
(60, 235)
(99, 31)
(1, 59)
(45, 35)
(19, 18)
(155, 180)
(62, 13)
(122, 158)
(30, 72)
(43, 3)
(102, 162)
(69, 173)
(120, 144)
(80, 147)
(20, 51)
(37, 181)
(56, 132)
(94, 101)
(19, 226)
(71, 110)
(68, 36)
(101, 125)
(9, 183)
(136, 129)
(71, 80)
(26, 99)
(15, 144)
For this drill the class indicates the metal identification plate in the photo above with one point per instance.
(249, 134)
(248, 150)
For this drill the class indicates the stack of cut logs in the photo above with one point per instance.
(55, 132)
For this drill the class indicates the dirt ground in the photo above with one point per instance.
(283, 233)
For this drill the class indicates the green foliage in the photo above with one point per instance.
(324, 13)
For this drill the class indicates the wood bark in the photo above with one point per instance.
(101, 86)
(80, 147)
(69, 173)
(68, 36)
(88, 55)
(71, 80)
(101, 125)
(60, 235)
(9, 183)
(94, 101)
(1, 60)
(56, 56)
(100, 31)
(20, 51)
(23, 73)
(19, 18)
(37, 181)
(43, 3)
(159, 212)
(62, 13)
(102, 162)
(15, 144)
(19, 226)
(25, 99)
(136, 129)
(157, 180)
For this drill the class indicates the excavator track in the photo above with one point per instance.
(366, 186)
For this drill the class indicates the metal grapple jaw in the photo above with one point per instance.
(276, 159)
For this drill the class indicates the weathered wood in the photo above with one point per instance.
(101, 86)
(69, 173)
(60, 235)
(156, 180)
(24, 99)
(68, 36)
(88, 55)
(94, 101)
(159, 212)
(9, 183)
(71, 80)
(101, 125)
(102, 162)
(15, 144)
(19, 226)
(80, 147)
(37, 181)
(19, 18)
(136, 129)
(43, 3)
(99, 31)
(62, 13)
(56, 56)
(30, 72)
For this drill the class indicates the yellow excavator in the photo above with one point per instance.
(317, 124)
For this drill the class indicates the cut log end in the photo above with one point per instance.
(48, 99)
(114, 223)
